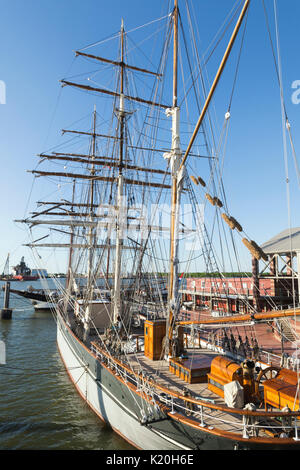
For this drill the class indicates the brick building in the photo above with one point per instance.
(274, 283)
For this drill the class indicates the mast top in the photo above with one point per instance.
(175, 54)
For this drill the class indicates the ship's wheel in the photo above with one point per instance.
(265, 374)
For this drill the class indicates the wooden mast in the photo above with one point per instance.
(177, 169)
(91, 202)
(71, 250)
(120, 215)
(216, 80)
(176, 188)
(91, 230)
(175, 54)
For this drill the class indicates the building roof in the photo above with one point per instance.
(284, 242)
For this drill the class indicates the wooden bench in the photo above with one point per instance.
(191, 369)
(281, 391)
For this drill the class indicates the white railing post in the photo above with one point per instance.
(296, 438)
(202, 423)
(245, 431)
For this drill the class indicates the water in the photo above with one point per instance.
(39, 406)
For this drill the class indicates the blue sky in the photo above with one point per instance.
(38, 38)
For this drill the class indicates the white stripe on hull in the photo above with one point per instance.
(138, 435)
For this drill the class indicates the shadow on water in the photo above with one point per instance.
(64, 436)
(45, 426)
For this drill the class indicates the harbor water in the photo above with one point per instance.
(39, 407)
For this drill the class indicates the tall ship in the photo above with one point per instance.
(142, 205)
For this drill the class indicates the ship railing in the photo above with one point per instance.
(248, 419)
(265, 359)
(288, 306)
(249, 426)
(270, 358)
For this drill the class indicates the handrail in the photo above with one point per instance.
(265, 414)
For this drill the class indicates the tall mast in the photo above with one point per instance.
(178, 167)
(91, 228)
(120, 215)
(175, 54)
(216, 80)
(68, 287)
(91, 202)
(93, 158)
(176, 187)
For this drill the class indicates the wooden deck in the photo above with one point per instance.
(160, 371)
(213, 419)
(218, 420)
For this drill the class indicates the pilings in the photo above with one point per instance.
(6, 312)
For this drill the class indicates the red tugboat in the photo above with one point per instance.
(21, 272)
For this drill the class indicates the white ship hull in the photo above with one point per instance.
(100, 400)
